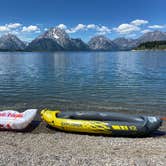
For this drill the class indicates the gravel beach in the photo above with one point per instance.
(41, 145)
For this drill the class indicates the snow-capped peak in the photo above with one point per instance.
(56, 36)
(55, 33)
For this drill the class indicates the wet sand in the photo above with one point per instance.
(41, 145)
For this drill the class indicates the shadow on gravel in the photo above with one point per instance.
(37, 127)
(44, 128)
(34, 125)
(158, 134)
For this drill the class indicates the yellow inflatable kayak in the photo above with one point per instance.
(101, 123)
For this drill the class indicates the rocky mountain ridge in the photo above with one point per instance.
(10, 42)
(102, 43)
(56, 39)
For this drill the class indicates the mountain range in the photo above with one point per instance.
(56, 39)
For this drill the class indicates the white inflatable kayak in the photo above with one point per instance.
(14, 120)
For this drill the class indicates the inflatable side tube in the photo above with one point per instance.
(101, 116)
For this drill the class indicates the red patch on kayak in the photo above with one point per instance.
(1, 126)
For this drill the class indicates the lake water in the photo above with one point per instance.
(126, 81)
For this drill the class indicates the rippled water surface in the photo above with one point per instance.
(133, 81)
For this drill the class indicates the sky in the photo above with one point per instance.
(82, 18)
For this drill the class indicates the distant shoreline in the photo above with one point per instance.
(150, 50)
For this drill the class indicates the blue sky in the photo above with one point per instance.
(82, 18)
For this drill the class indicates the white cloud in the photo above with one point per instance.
(91, 26)
(103, 30)
(76, 28)
(4, 28)
(139, 22)
(157, 26)
(13, 25)
(126, 28)
(9, 27)
(31, 28)
(100, 29)
(80, 27)
(62, 26)
(146, 31)
(70, 31)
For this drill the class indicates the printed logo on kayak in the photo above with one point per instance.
(117, 127)
(12, 115)
(71, 124)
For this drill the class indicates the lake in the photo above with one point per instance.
(119, 81)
